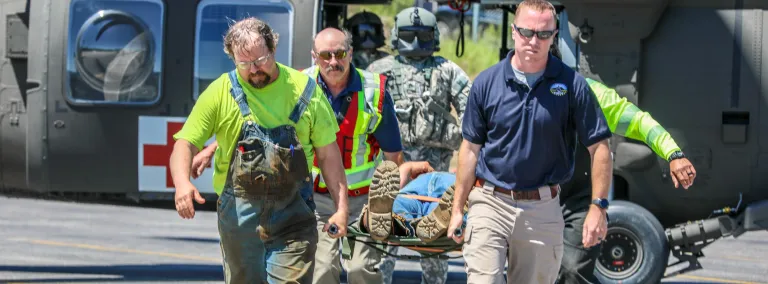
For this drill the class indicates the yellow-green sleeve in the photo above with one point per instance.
(626, 119)
(201, 123)
(324, 125)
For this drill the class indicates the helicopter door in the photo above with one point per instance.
(107, 72)
(705, 90)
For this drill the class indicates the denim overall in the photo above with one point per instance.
(266, 213)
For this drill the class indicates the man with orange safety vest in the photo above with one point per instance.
(366, 116)
(368, 127)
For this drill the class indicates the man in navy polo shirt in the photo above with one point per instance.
(520, 127)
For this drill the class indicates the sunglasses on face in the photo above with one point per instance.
(338, 54)
(245, 65)
(422, 35)
(528, 33)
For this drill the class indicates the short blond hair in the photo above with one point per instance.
(248, 33)
(538, 6)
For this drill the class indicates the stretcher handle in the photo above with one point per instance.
(333, 229)
(458, 232)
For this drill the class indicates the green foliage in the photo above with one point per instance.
(477, 56)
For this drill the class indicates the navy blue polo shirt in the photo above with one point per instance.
(388, 131)
(528, 138)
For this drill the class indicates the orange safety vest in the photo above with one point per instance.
(360, 150)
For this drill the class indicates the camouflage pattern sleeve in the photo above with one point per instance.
(381, 66)
(459, 89)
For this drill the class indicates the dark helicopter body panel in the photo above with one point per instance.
(697, 68)
(69, 125)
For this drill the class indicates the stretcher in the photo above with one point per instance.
(438, 248)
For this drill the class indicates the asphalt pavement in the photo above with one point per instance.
(54, 241)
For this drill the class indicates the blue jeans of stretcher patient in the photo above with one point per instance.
(417, 212)
(266, 214)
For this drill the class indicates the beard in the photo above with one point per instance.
(259, 79)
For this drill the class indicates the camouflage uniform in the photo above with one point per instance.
(362, 58)
(423, 87)
(423, 92)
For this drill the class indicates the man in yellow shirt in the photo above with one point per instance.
(269, 121)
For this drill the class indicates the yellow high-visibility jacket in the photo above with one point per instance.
(626, 119)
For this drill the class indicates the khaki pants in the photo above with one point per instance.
(365, 262)
(526, 233)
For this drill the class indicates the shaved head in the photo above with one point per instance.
(332, 52)
(333, 35)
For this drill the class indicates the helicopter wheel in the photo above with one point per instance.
(635, 249)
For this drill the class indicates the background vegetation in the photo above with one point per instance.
(477, 55)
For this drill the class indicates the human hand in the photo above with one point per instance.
(201, 161)
(184, 195)
(595, 227)
(339, 223)
(682, 172)
(457, 221)
(411, 170)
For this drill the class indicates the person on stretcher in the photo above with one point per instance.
(418, 206)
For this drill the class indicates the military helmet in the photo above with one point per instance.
(367, 30)
(415, 32)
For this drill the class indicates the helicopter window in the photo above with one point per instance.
(114, 52)
(214, 18)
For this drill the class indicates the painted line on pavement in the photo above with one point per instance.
(116, 249)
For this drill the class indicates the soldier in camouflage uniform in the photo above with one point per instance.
(367, 37)
(424, 87)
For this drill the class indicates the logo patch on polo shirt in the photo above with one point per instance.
(558, 89)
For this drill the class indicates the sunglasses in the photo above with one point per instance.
(410, 35)
(528, 33)
(245, 65)
(327, 55)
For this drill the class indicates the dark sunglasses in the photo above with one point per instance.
(529, 33)
(326, 55)
(422, 35)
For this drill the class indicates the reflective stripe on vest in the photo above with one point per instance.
(360, 155)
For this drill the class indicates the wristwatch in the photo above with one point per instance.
(676, 155)
(601, 203)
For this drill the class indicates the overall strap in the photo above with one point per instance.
(237, 93)
(303, 102)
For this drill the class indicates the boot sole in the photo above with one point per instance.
(384, 188)
(436, 223)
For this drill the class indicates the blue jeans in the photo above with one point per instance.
(432, 184)
(285, 257)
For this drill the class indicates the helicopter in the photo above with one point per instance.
(93, 90)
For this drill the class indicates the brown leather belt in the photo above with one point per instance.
(520, 194)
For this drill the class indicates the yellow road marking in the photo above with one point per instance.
(103, 248)
(712, 279)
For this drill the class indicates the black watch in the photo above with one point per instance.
(601, 203)
(676, 155)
